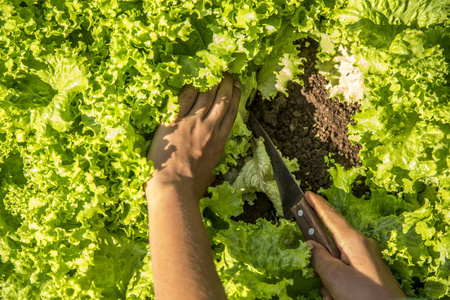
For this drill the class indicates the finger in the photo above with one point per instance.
(327, 267)
(338, 226)
(222, 100)
(204, 102)
(321, 260)
(186, 100)
(326, 295)
(230, 116)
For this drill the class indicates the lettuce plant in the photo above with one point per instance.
(84, 85)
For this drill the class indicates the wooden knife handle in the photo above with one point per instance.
(312, 227)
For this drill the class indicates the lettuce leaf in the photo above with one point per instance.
(257, 175)
(258, 260)
(411, 230)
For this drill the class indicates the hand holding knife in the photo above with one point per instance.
(292, 197)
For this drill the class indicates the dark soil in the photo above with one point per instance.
(307, 125)
(263, 208)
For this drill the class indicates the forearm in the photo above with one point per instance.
(182, 261)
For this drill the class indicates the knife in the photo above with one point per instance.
(292, 197)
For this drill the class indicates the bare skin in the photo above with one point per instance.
(361, 273)
(184, 154)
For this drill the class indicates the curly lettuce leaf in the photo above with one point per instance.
(400, 47)
(225, 201)
(257, 260)
(411, 230)
(282, 65)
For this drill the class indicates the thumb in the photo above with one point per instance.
(327, 267)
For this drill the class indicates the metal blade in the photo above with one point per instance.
(290, 192)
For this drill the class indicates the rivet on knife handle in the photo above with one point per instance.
(312, 228)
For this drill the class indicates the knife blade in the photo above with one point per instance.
(292, 197)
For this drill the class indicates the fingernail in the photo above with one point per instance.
(237, 84)
(310, 245)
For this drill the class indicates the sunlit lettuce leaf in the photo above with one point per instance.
(402, 127)
(282, 65)
(412, 230)
(225, 201)
(270, 252)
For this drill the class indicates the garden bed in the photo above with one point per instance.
(307, 125)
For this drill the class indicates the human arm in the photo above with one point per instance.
(361, 273)
(184, 154)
